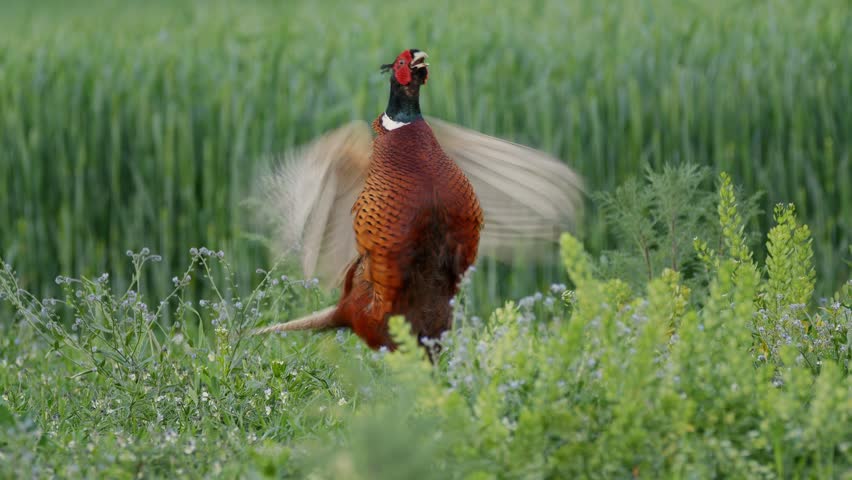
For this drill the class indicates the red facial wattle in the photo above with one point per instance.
(407, 64)
(401, 69)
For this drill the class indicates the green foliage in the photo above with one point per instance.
(134, 124)
(733, 226)
(661, 218)
(599, 381)
(666, 221)
(628, 210)
(129, 387)
(789, 262)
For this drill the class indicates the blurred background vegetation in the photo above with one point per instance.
(130, 124)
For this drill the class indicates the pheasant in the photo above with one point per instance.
(397, 220)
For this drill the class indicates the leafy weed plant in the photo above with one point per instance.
(597, 380)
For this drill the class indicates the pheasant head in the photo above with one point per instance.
(409, 72)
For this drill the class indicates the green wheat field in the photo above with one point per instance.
(696, 324)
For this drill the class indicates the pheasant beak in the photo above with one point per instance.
(419, 60)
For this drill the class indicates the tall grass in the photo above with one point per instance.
(128, 126)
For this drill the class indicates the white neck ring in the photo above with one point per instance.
(391, 124)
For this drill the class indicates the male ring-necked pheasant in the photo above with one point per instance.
(422, 197)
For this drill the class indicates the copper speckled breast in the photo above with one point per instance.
(417, 224)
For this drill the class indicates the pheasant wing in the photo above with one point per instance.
(308, 198)
(526, 195)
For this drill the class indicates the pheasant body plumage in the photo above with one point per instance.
(397, 221)
(417, 224)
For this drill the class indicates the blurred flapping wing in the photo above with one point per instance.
(527, 196)
(308, 199)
